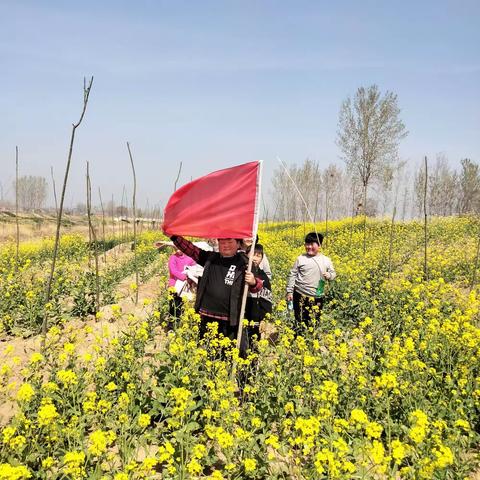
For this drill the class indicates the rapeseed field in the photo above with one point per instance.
(385, 386)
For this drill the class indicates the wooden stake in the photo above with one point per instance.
(87, 187)
(425, 224)
(103, 226)
(17, 242)
(178, 176)
(135, 221)
(390, 248)
(94, 238)
(475, 265)
(113, 229)
(54, 190)
(364, 220)
(86, 94)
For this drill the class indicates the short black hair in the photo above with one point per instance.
(314, 237)
(258, 249)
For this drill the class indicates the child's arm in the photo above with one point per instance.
(189, 249)
(330, 270)
(255, 284)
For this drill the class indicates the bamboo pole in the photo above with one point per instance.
(178, 176)
(327, 192)
(353, 216)
(86, 95)
(94, 238)
(250, 258)
(54, 190)
(425, 224)
(103, 226)
(88, 222)
(135, 220)
(122, 226)
(390, 247)
(114, 234)
(364, 220)
(475, 265)
(17, 238)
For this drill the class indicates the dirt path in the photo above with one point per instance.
(16, 352)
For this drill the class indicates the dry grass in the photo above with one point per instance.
(33, 227)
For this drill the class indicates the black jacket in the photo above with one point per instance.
(208, 260)
(259, 304)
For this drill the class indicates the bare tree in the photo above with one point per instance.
(406, 191)
(288, 203)
(442, 194)
(442, 188)
(31, 191)
(418, 186)
(369, 132)
(320, 188)
(340, 192)
(469, 187)
(384, 188)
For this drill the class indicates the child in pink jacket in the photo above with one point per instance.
(176, 266)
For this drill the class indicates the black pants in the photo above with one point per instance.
(175, 309)
(250, 333)
(224, 328)
(307, 311)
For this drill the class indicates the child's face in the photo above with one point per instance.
(312, 248)
(257, 258)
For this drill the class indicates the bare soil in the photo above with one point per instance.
(24, 348)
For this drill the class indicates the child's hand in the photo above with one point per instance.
(250, 278)
(289, 297)
(327, 275)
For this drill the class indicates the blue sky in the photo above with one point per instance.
(214, 84)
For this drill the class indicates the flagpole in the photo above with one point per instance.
(250, 254)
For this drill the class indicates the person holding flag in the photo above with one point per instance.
(222, 205)
(220, 288)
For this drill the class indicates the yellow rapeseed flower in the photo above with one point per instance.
(25, 392)
(10, 472)
(250, 465)
(67, 377)
(144, 420)
(47, 413)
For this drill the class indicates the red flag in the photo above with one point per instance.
(222, 204)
